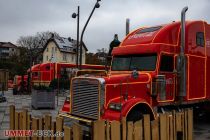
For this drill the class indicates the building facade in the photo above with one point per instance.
(8, 49)
(62, 50)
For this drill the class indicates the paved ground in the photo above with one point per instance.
(24, 101)
(201, 127)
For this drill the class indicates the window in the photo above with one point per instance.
(64, 57)
(47, 49)
(55, 49)
(151, 29)
(47, 58)
(140, 62)
(167, 63)
(200, 39)
(72, 58)
(52, 49)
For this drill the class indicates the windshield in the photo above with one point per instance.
(130, 62)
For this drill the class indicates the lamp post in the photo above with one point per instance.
(97, 5)
(74, 15)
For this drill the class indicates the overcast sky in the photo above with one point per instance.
(26, 17)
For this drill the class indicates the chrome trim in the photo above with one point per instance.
(87, 97)
(74, 117)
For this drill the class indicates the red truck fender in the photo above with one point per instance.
(137, 103)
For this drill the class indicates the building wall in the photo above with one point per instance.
(60, 56)
(6, 52)
(51, 50)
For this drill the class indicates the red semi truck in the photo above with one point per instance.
(44, 73)
(154, 69)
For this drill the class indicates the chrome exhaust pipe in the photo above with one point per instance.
(181, 61)
(184, 10)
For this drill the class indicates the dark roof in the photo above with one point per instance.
(65, 44)
(7, 45)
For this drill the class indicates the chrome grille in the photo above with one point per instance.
(85, 98)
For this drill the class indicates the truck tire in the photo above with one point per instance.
(134, 116)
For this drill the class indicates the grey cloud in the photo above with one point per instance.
(26, 17)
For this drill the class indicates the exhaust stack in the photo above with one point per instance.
(127, 26)
(181, 61)
(184, 10)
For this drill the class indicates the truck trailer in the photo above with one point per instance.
(154, 69)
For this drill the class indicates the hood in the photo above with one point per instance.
(122, 84)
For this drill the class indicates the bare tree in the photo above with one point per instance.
(35, 43)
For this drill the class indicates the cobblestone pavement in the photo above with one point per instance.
(201, 127)
(24, 101)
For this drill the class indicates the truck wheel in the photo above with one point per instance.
(134, 116)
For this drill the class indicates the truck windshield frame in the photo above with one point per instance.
(140, 62)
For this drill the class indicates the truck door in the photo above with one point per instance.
(167, 69)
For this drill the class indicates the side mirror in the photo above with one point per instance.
(135, 74)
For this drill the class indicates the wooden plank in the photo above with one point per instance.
(171, 128)
(178, 121)
(190, 124)
(25, 115)
(115, 130)
(174, 124)
(167, 126)
(179, 125)
(21, 121)
(53, 129)
(35, 127)
(155, 129)
(124, 128)
(99, 130)
(17, 123)
(59, 127)
(130, 131)
(24, 121)
(12, 117)
(40, 126)
(67, 133)
(47, 124)
(138, 131)
(28, 124)
(185, 125)
(108, 130)
(77, 132)
(147, 129)
(163, 127)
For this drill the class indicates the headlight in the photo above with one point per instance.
(115, 106)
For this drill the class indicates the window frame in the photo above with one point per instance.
(201, 39)
(132, 56)
(168, 55)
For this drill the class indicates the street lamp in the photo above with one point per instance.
(74, 15)
(97, 5)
